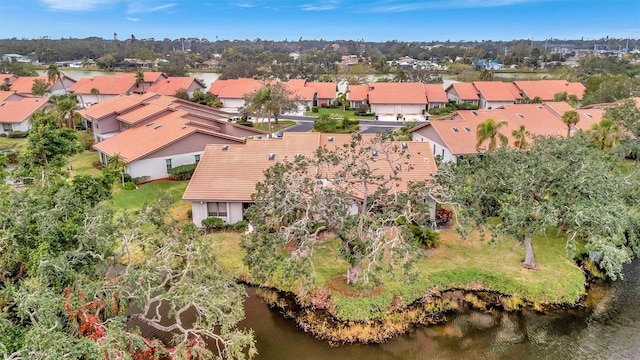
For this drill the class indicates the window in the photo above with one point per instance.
(217, 209)
(197, 156)
(168, 163)
(7, 127)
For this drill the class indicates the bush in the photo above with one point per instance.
(17, 134)
(140, 179)
(245, 123)
(190, 214)
(127, 178)
(97, 165)
(212, 223)
(182, 172)
(240, 226)
(3, 134)
(315, 109)
(443, 216)
(129, 186)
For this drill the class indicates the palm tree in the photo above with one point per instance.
(65, 111)
(488, 130)
(140, 78)
(116, 163)
(54, 74)
(342, 99)
(605, 134)
(570, 118)
(521, 136)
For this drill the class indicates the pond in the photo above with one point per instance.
(611, 330)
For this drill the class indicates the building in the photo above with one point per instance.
(226, 175)
(16, 111)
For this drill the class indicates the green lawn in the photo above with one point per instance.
(134, 199)
(81, 164)
(282, 124)
(16, 144)
(338, 112)
(456, 263)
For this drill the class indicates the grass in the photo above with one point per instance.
(282, 124)
(81, 164)
(16, 144)
(338, 112)
(456, 264)
(134, 199)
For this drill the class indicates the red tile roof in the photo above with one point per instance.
(235, 88)
(325, 90)
(10, 96)
(157, 135)
(115, 105)
(24, 84)
(232, 174)
(358, 92)
(171, 85)
(397, 93)
(435, 93)
(143, 113)
(105, 84)
(497, 90)
(465, 91)
(299, 89)
(546, 89)
(19, 111)
(153, 76)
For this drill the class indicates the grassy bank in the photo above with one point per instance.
(281, 125)
(457, 264)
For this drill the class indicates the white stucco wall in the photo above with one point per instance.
(232, 103)
(23, 126)
(156, 168)
(405, 109)
(436, 147)
(484, 104)
(199, 210)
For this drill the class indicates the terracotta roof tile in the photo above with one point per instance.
(157, 135)
(546, 89)
(465, 91)
(435, 93)
(105, 84)
(358, 92)
(23, 84)
(497, 90)
(231, 174)
(171, 85)
(325, 90)
(397, 93)
(19, 111)
(116, 105)
(143, 113)
(234, 88)
(10, 96)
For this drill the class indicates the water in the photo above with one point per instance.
(77, 74)
(611, 330)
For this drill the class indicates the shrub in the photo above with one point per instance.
(245, 123)
(3, 134)
(127, 178)
(212, 223)
(97, 164)
(129, 186)
(182, 172)
(315, 109)
(140, 179)
(190, 214)
(17, 134)
(240, 226)
(443, 216)
(423, 236)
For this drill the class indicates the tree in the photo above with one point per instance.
(343, 100)
(561, 183)
(47, 151)
(116, 164)
(296, 198)
(488, 130)
(626, 114)
(570, 118)
(65, 111)
(140, 79)
(39, 87)
(54, 74)
(520, 137)
(605, 134)
(272, 99)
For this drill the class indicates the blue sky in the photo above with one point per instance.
(371, 20)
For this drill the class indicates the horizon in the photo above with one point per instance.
(330, 20)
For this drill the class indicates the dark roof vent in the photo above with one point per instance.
(405, 146)
(272, 157)
(225, 147)
(374, 152)
(330, 139)
(157, 127)
(149, 124)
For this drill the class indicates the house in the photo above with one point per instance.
(546, 89)
(226, 176)
(7, 79)
(463, 93)
(232, 92)
(456, 136)
(16, 112)
(15, 58)
(123, 112)
(493, 94)
(436, 97)
(407, 100)
(24, 84)
(91, 91)
(489, 65)
(357, 95)
(305, 95)
(155, 148)
(149, 78)
(325, 92)
(171, 85)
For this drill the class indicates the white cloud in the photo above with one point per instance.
(244, 5)
(137, 7)
(324, 6)
(75, 5)
(132, 19)
(399, 6)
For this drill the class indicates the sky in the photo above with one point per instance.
(368, 20)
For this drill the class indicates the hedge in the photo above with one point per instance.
(182, 172)
(17, 134)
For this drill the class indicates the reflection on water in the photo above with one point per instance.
(610, 331)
